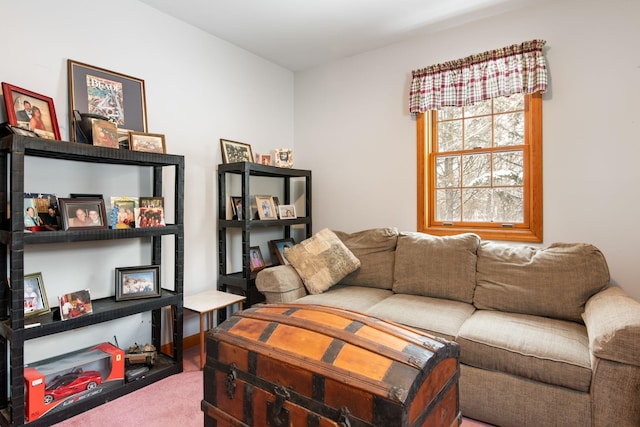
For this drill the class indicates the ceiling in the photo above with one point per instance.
(299, 34)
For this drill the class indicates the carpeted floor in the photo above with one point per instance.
(173, 401)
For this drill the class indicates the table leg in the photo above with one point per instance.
(202, 340)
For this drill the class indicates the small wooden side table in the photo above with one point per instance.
(208, 303)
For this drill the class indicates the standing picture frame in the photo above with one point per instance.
(75, 304)
(150, 213)
(234, 151)
(35, 296)
(283, 157)
(147, 142)
(277, 248)
(266, 207)
(117, 96)
(256, 261)
(287, 211)
(105, 134)
(83, 214)
(31, 111)
(137, 282)
(236, 207)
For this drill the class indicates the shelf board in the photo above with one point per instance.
(258, 169)
(103, 234)
(104, 310)
(262, 223)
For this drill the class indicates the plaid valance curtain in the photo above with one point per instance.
(519, 68)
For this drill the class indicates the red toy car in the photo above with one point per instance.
(71, 383)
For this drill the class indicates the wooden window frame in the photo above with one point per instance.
(531, 231)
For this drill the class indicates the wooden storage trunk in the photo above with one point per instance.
(303, 365)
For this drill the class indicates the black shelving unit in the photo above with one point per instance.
(243, 282)
(14, 241)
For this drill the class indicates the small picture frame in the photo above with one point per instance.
(31, 111)
(277, 248)
(104, 134)
(75, 304)
(41, 212)
(234, 151)
(283, 157)
(150, 213)
(7, 129)
(137, 282)
(266, 207)
(256, 261)
(287, 211)
(123, 211)
(265, 159)
(83, 214)
(236, 207)
(35, 297)
(147, 142)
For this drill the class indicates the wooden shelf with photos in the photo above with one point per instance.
(16, 327)
(243, 281)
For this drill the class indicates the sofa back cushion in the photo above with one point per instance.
(555, 281)
(375, 249)
(439, 267)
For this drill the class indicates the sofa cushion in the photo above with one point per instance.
(357, 298)
(321, 261)
(438, 267)
(439, 317)
(280, 283)
(612, 318)
(541, 349)
(555, 281)
(375, 249)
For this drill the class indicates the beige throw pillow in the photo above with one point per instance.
(321, 261)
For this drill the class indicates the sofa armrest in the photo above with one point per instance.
(280, 284)
(612, 318)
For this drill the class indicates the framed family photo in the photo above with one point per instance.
(256, 261)
(287, 211)
(137, 282)
(147, 142)
(277, 248)
(35, 297)
(31, 111)
(75, 304)
(266, 207)
(98, 91)
(83, 213)
(233, 151)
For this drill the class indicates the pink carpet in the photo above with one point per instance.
(173, 401)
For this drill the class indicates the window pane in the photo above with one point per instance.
(500, 205)
(447, 171)
(508, 168)
(509, 129)
(449, 113)
(477, 133)
(505, 104)
(449, 136)
(447, 205)
(478, 109)
(476, 170)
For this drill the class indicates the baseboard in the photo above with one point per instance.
(187, 342)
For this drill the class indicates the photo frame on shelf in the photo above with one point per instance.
(35, 296)
(287, 211)
(83, 214)
(123, 212)
(277, 248)
(266, 207)
(150, 213)
(234, 151)
(117, 96)
(283, 157)
(7, 129)
(256, 261)
(236, 207)
(75, 304)
(137, 282)
(147, 142)
(31, 111)
(41, 212)
(104, 134)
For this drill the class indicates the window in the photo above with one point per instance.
(480, 169)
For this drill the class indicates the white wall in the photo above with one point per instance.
(353, 129)
(198, 89)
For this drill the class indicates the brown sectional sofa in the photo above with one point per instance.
(545, 339)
